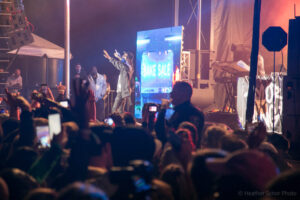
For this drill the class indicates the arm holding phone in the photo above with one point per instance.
(77, 167)
(160, 125)
(16, 101)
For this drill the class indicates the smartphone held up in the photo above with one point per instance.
(43, 136)
(54, 124)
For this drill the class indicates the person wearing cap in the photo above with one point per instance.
(250, 165)
(124, 64)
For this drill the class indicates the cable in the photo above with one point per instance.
(12, 60)
(281, 67)
(280, 83)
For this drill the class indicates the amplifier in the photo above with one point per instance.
(291, 108)
(293, 69)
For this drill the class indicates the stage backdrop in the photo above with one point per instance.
(232, 24)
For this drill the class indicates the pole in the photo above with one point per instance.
(198, 46)
(199, 25)
(67, 48)
(253, 63)
(274, 90)
(176, 13)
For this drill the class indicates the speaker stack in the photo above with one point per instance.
(14, 31)
(291, 85)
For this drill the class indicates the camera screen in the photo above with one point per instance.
(54, 124)
(64, 104)
(153, 108)
(42, 133)
(109, 121)
(140, 184)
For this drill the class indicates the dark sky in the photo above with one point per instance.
(97, 25)
(112, 24)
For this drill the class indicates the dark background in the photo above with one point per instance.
(112, 24)
(98, 25)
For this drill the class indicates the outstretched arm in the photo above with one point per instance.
(106, 55)
(116, 63)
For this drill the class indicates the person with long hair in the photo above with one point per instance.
(124, 64)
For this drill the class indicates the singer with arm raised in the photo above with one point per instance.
(125, 65)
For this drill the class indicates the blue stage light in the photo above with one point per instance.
(142, 42)
(174, 38)
(158, 57)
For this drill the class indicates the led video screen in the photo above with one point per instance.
(157, 60)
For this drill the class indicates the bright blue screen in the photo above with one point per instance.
(158, 56)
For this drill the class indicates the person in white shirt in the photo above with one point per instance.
(15, 82)
(98, 86)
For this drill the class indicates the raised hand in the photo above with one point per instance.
(117, 55)
(15, 100)
(10, 99)
(106, 55)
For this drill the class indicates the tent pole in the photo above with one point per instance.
(199, 25)
(198, 45)
(176, 13)
(67, 48)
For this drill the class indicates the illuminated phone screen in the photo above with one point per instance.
(158, 58)
(54, 124)
(64, 104)
(43, 136)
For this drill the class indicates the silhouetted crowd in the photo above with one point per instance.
(179, 158)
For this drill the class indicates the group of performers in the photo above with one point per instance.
(99, 85)
(100, 88)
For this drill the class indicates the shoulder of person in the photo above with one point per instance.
(196, 110)
(101, 76)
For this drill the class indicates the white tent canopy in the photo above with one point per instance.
(41, 47)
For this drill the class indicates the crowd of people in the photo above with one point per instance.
(182, 158)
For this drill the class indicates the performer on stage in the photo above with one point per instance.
(79, 72)
(125, 65)
(15, 82)
(98, 86)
